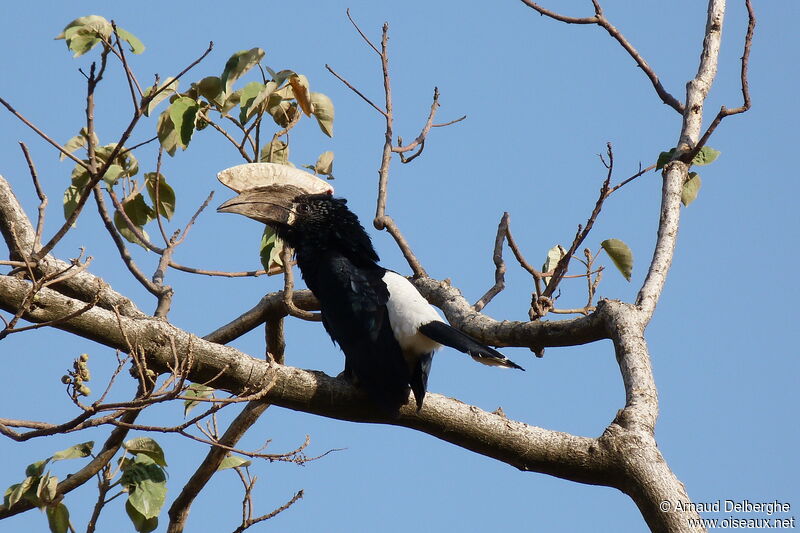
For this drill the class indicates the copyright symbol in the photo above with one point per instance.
(664, 506)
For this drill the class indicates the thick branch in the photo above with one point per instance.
(520, 445)
(675, 173)
(674, 176)
(697, 89)
(179, 511)
(20, 238)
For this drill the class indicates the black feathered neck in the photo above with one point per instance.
(323, 224)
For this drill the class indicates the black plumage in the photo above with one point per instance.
(386, 330)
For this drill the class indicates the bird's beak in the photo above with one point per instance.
(269, 205)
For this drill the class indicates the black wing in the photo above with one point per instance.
(353, 303)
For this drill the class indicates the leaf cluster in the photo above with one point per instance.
(705, 156)
(39, 488)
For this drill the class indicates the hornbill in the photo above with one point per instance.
(386, 329)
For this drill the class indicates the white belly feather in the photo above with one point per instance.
(408, 310)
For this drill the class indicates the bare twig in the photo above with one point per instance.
(628, 180)
(276, 339)
(220, 273)
(499, 265)
(157, 202)
(43, 135)
(40, 193)
(138, 145)
(361, 33)
(425, 129)
(252, 521)
(603, 22)
(359, 93)
(137, 232)
(192, 220)
(448, 123)
(583, 232)
(124, 254)
(239, 147)
(288, 287)
(129, 76)
(411, 259)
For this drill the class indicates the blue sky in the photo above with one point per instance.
(542, 99)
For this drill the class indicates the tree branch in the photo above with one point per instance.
(525, 447)
(604, 23)
(20, 237)
(179, 511)
(72, 482)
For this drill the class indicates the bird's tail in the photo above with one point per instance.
(449, 336)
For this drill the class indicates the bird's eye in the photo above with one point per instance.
(302, 208)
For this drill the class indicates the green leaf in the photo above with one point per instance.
(324, 164)
(139, 213)
(71, 197)
(140, 522)
(183, 113)
(46, 491)
(171, 85)
(82, 34)
(212, 89)
(554, 255)
(58, 518)
(79, 141)
(146, 484)
(705, 156)
(148, 447)
(664, 158)
(276, 151)
(195, 390)
(75, 452)
(620, 255)
(238, 64)
(37, 468)
(270, 249)
(167, 135)
(137, 47)
(275, 254)
(261, 101)
(7, 496)
(247, 97)
(322, 107)
(112, 174)
(233, 461)
(137, 210)
(231, 101)
(129, 163)
(126, 232)
(80, 176)
(15, 492)
(166, 195)
(690, 189)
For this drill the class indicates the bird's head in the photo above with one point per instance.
(320, 221)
